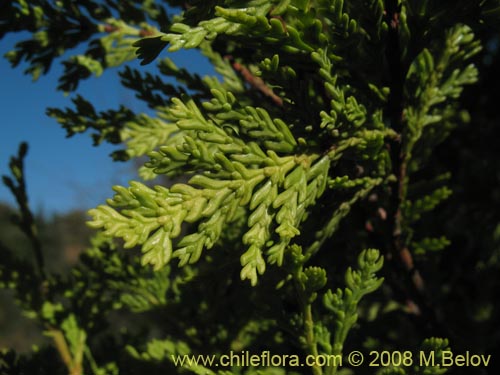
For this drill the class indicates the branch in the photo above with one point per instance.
(256, 82)
(416, 297)
(64, 352)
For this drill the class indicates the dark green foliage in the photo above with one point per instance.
(328, 130)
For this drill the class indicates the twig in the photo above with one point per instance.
(417, 299)
(64, 352)
(256, 82)
(107, 28)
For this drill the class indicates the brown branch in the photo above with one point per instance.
(143, 33)
(400, 250)
(395, 112)
(395, 108)
(416, 296)
(256, 82)
(110, 28)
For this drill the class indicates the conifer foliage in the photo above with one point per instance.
(267, 186)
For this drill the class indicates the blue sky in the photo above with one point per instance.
(64, 173)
